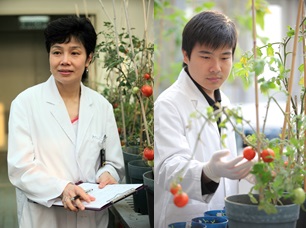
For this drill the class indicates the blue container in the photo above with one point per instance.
(187, 225)
(219, 213)
(212, 221)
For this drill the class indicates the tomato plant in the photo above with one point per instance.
(267, 155)
(249, 153)
(146, 90)
(175, 188)
(147, 76)
(180, 199)
(148, 153)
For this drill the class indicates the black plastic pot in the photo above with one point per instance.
(136, 170)
(148, 181)
(131, 153)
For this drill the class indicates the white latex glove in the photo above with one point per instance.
(216, 167)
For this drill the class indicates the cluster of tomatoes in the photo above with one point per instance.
(180, 198)
(267, 155)
(146, 90)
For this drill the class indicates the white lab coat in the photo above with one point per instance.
(175, 135)
(45, 154)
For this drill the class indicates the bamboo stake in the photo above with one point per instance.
(120, 92)
(304, 61)
(136, 71)
(85, 8)
(77, 10)
(118, 53)
(287, 112)
(145, 18)
(256, 92)
(256, 82)
(103, 8)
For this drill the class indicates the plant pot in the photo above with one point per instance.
(212, 221)
(187, 225)
(130, 153)
(136, 170)
(219, 213)
(242, 213)
(148, 181)
(301, 222)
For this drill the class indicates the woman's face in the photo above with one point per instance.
(68, 61)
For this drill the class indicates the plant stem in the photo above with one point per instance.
(144, 119)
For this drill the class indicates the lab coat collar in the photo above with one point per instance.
(191, 89)
(59, 111)
(196, 97)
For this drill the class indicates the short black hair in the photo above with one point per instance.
(210, 28)
(63, 29)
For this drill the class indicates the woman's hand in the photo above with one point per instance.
(105, 179)
(71, 191)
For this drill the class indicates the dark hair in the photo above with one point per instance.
(209, 28)
(61, 30)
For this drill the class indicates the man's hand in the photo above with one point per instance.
(72, 191)
(105, 179)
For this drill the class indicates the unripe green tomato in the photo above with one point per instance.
(299, 196)
(135, 90)
(151, 163)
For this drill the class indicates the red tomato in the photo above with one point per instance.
(148, 153)
(146, 90)
(115, 105)
(146, 76)
(267, 155)
(175, 188)
(249, 153)
(180, 199)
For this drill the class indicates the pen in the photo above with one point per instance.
(78, 196)
(102, 151)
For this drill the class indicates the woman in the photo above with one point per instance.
(56, 132)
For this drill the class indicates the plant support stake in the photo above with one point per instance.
(287, 112)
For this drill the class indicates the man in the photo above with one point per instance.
(211, 171)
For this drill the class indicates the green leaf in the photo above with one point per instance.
(290, 31)
(259, 66)
(270, 50)
(301, 68)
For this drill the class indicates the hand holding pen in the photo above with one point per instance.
(79, 196)
(72, 196)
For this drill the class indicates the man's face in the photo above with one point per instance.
(209, 67)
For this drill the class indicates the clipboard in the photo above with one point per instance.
(106, 196)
